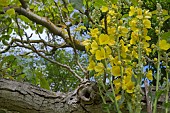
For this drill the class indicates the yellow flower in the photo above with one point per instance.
(149, 75)
(103, 39)
(133, 24)
(130, 87)
(147, 14)
(86, 42)
(94, 32)
(111, 30)
(118, 97)
(148, 50)
(94, 47)
(164, 45)
(123, 31)
(117, 83)
(104, 9)
(147, 23)
(111, 12)
(116, 70)
(134, 38)
(134, 54)
(128, 71)
(139, 13)
(114, 6)
(100, 54)
(108, 50)
(99, 68)
(91, 65)
(147, 38)
(132, 11)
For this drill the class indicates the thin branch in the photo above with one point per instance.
(24, 4)
(58, 63)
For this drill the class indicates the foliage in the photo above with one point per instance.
(123, 44)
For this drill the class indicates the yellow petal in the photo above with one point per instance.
(164, 45)
(91, 65)
(116, 70)
(100, 54)
(99, 67)
(147, 37)
(103, 39)
(104, 9)
(149, 75)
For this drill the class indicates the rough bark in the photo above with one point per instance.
(26, 98)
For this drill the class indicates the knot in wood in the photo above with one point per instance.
(87, 92)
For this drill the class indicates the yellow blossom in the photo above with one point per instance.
(132, 11)
(91, 65)
(86, 42)
(148, 50)
(99, 68)
(147, 14)
(104, 9)
(139, 13)
(149, 75)
(147, 38)
(114, 6)
(123, 30)
(111, 30)
(133, 24)
(134, 38)
(130, 87)
(128, 71)
(116, 70)
(164, 45)
(103, 39)
(111, 12)
(100, 54)
(117, 83)
(94, 32)
(94, 47)
(108, 50)
(118, 97)
(134, 54)
(147, 23)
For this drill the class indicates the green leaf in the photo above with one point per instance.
(25, 19)
(4, 2)
(99, 3)
(166, 36)
(10, 12)
(167, 105)
(135, 2)
(44, 83)
(114, 1)
(77, 4)
(158, 94)
(70, 8)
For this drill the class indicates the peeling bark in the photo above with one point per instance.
(26, 98)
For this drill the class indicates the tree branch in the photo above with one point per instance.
(49, 25)
(24, 4)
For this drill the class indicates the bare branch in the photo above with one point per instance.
(49, 25)
(24, 4)
(58, 63)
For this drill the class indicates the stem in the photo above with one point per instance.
(104, 101)
(167, 84)
(117, 107)
(157, 75)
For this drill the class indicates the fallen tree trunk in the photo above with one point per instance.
(26, 98)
